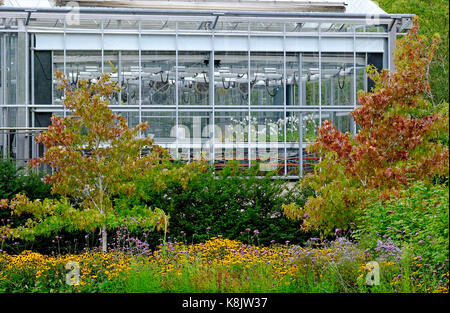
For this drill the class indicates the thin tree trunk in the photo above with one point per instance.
(104, 239)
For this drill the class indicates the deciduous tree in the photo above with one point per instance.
(95, 157)
(400, 140)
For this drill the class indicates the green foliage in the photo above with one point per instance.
(434, 18)
(335, 199)
(51, 216)
(13, 180)
(418, 220)
(223, 203)
(95, 156)
(400, 139)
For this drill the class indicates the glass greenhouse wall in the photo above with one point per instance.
(244, 86)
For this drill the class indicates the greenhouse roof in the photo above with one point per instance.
(331, 6)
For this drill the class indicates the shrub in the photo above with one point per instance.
(14, 180)
(234, 203)
(417, 221)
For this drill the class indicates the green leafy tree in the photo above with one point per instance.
(434, 19)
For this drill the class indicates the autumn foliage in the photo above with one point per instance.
(95, 157)
(399, 141)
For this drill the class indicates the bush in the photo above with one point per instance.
(417, 221)
(14, 180)
(234, 203)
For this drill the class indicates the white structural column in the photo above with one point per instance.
(4, 109)
(284, 100)
(140, 71)
(212, 121)
(65, 56)
(250, 132)
(21, 89)
(177, 86)
(319, 36)
(102, 27)
(354, 79)
(300, 115)
(392, 37)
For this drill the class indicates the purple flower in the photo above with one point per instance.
(247, 229)
(256, 231)
(388, 250)
(208, 228)
(389, 212)
(305, 215)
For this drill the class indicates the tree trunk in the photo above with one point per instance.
(104, 239)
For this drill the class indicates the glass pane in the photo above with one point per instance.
(337, 79)
(293, 82)
(267, 137)
(125, 24)
(111, 67)
(158, 78)
(193, 78)
(79, 65)
(161, 126)
(58, 65)
(309, 123)
(231, 26)
(301, 27)
(310, 77)
(292, 143)
(132, 118)
(231, 78)
(11, 68)
(194, 135)
(361, 78)
(129, 78)
(158, 25)
(342, 120)
(266, 27)
(266, 78)
(232, 138)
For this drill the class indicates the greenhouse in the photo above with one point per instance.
(229, 80)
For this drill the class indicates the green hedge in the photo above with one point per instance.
(233, 202)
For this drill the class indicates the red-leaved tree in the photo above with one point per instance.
(400, 140)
